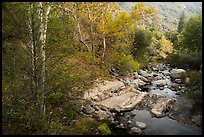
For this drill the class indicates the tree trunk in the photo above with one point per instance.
(80, 35)
(91, 28)
(37, 26)
(104, 46)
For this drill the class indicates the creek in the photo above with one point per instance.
(156, 99)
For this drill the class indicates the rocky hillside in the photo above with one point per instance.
(168, 12)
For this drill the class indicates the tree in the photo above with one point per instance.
(181, 23)
(37, 24)
(191, 36)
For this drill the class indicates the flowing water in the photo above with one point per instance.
(164, 126)
(167, 125)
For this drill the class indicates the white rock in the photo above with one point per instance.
(141, 125)
(136, 130)
(176, 73)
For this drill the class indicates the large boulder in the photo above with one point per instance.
(162, 106)
(124, 102)
(176, 73)
(106, 86)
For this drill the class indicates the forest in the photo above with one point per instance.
(53, 52)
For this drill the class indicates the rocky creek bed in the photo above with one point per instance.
(151, 103)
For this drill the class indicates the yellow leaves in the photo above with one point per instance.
(140, 11)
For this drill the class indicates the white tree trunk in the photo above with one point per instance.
(104, 46)
(31, 46)
(43, 16)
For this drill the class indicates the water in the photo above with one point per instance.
(164, 126)
(165, 92)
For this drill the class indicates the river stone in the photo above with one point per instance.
(143, 79)
(102, 87)
(178, 81)
(161, 106)
(102, 114)
(166, 73)
(96, 98)
(141, 125)
(161, 88)
(87, 109)
(96, 107)
(143, 73)
(136, 130)
(160, 83)
(176, 73)
(121, 126)
(130, 123)
(135, 74)
(138, 82)
(178, 93)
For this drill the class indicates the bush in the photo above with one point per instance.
(195, 82)
(104, 129)
(127, 63)
(185, 61)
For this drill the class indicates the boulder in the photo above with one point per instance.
(160, 83)
(161, 106)
(106, 86)
(143, 73)
(176, 73)
(124, 102)
(138, 82)
(143, 79)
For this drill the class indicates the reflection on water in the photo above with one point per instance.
(164, 126)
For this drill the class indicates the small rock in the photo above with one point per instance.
(178, 93)
(135, 74)
(96, 107)
(141, 125)
(143, 79)
(130, 123)
(161, 88)
(103, 108)
(121, 126)
(136, 130)
(96, 98)
(178, 81)
(187, 80)
(87, 109)
(132, 114)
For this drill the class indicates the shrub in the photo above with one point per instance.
(185, 61)
(104, 129)
(127, 63)
(195, 82)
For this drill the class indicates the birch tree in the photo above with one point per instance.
(37, 24)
